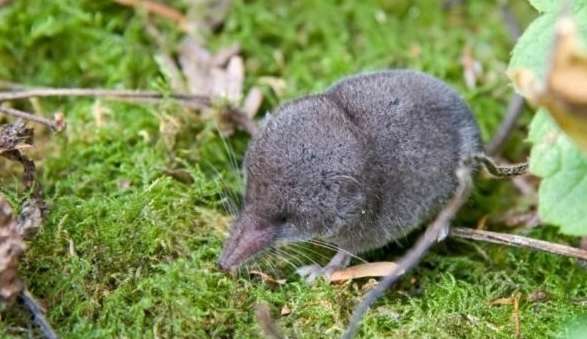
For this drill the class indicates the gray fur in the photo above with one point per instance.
(359, 165)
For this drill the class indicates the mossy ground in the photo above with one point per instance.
(129, 251)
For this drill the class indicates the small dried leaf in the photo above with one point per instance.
(376, 269)
(285, 310)
(252, 102)
(223, 55)
(235, 77)
(59, 120)
(195, 62)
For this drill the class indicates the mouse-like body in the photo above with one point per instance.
(359, 165)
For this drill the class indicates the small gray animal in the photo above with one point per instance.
(359, 165)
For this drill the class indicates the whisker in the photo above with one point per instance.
(301, 253)
(270, 266)
(287, 261)
(289, 255)
(332, 246)
(309, 248)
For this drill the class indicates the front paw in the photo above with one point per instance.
(311, 273)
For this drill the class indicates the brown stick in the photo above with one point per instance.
(29, 116)
(38, 314)
(195, 101)
(435, 232)
(518, 241)
(189, 100)
(158, 9)
(514, 110)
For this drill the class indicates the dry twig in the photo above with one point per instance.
(514, 110)
(433, 234)
(192, 101)
(518, 241)
(52, 124)
(37, 314)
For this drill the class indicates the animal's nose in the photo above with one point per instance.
(222, 265)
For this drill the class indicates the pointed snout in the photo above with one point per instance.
(248, 237)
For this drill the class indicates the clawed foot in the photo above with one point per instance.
(311, 273)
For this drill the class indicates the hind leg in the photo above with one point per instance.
(312, 272)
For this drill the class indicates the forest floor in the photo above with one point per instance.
(137, 193)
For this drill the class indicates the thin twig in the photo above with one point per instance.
(518, 241)
(433, 234)
(511, 22)
(514, 110)
(29, 116)
(37, 314)
(192, 101)
(516, 103)
(196, 101)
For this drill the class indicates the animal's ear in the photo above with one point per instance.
(351, 198)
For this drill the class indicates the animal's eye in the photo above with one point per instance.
(281, 218)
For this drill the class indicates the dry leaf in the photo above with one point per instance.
(223, 55)
(234, 78)
(252, 102)
(59, 121)
(376, 269)
(564, 93)
(195, 62)
(285, 310)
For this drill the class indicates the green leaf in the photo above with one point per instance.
(532, 50)
(543, 5)
(563, 167)
(553, 157)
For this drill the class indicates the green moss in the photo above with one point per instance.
(128, 251)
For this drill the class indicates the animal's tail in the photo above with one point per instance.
(500, 171)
